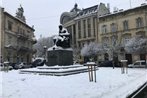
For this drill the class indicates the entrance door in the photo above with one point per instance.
(106, 56)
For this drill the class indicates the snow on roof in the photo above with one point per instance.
(122, 11)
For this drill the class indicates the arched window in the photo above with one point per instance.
(125, 25)
(105, 41)
(113, 27)
(139, 22)
(104, 29)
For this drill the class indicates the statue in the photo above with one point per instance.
(75, 9)
(63, 39)
(19, 14)
(61, 53)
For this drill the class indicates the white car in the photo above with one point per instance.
(138, 64)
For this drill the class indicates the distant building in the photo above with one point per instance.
(16, 37)
(82, 23)
(98, 24)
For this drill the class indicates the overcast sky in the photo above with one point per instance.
(45, 14)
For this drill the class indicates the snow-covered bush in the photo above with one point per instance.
(136, 44)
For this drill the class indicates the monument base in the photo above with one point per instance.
(59, 57)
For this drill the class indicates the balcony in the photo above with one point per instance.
(10, 46)
(86, 39)
(22, 36)
(23, 49)
(34, 40)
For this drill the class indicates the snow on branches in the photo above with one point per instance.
(91, 50)
(136, 44)
(41, 42)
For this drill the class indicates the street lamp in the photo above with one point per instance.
(44, 47)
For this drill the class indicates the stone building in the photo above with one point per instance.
(98, 24)
(16, 37)
(117, 28)
(82, 23)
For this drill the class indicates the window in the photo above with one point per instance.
(125, 25)
(126, 39)
(18, 29)
(104, 29)
(10, 25)
(79, 44)
(9, 40)
(114, 40)
(113, 27)
(79, 29)
(94, 26)
(84, 27)
(74, 34)
(89, 27)
(105, 42)
(139, 22)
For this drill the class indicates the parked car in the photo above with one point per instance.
(12, 65)
(138, 64)
(19, 65)
(109, 64)
(1, 64)
(6, 65)
(38, 62)
(106, 64)
(27, 66)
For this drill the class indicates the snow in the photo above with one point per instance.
(59, 48)
(54, 69)
(110, 84)
(90, 63)
(124, 60)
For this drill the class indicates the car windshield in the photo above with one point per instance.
(137, 63)
(38, 60)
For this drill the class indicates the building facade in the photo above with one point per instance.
(117, 28)
(97, 24)
(82, 23)
(16, 37)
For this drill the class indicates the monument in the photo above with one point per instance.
(61, 53)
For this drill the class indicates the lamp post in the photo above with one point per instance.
(44, 47)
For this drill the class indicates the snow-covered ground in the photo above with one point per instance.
(110, 84)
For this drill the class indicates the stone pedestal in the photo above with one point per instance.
(59, 57)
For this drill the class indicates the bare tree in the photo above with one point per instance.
(76, 52)
(41, 42)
